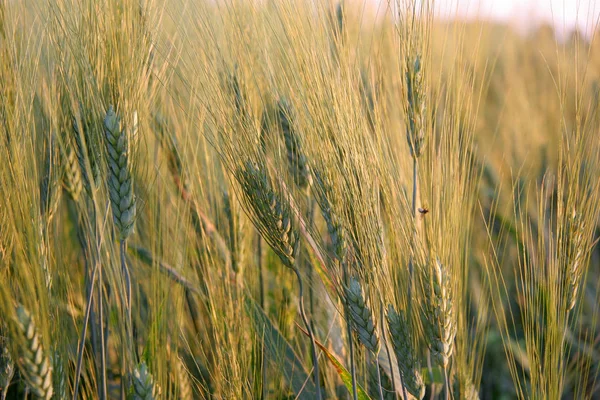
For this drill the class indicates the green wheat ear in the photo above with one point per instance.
(362, 317)
(408, 362)
(144, 387)
(34, 363)
(120, 180)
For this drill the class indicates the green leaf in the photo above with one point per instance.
(345, 376)
(281, 353)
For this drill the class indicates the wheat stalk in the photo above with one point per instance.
(60, 376)
(34, 363)
(408, 362)
(183, 379)
(235, 238)
(464, 389)
(49, 185)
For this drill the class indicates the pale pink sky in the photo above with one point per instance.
(527, 14)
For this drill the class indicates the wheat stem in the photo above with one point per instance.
(307, 325)
(349, 333)
(446, 384)
(387, 347)
(88, 309)
(379, 387)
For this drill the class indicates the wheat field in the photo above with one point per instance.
(295, 199)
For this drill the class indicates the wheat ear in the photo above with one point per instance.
(362, 317)
(183, 379)
(297, 161)
(144, 387)
(273, 218)
(363, 322)
(463, 389)
(34, 363)
(120, 179)
(87, 151)
(123, 205)
(439, 316)
(575, 259)
(72, 173)
(408, 362)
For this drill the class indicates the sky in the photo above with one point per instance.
(525, 15)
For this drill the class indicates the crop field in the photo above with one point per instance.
(295, 199)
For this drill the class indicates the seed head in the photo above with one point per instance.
(415, 91)
(144, 387)
(408, 362)
(361, 316)
(270, 212)
(438, 313)
(120, 180)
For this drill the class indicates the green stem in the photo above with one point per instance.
(128, 334)
(316, 376)
(88, 309)
(311, 297)
(378, 377)
(446, 385)
(387, 348)
(350, 341)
